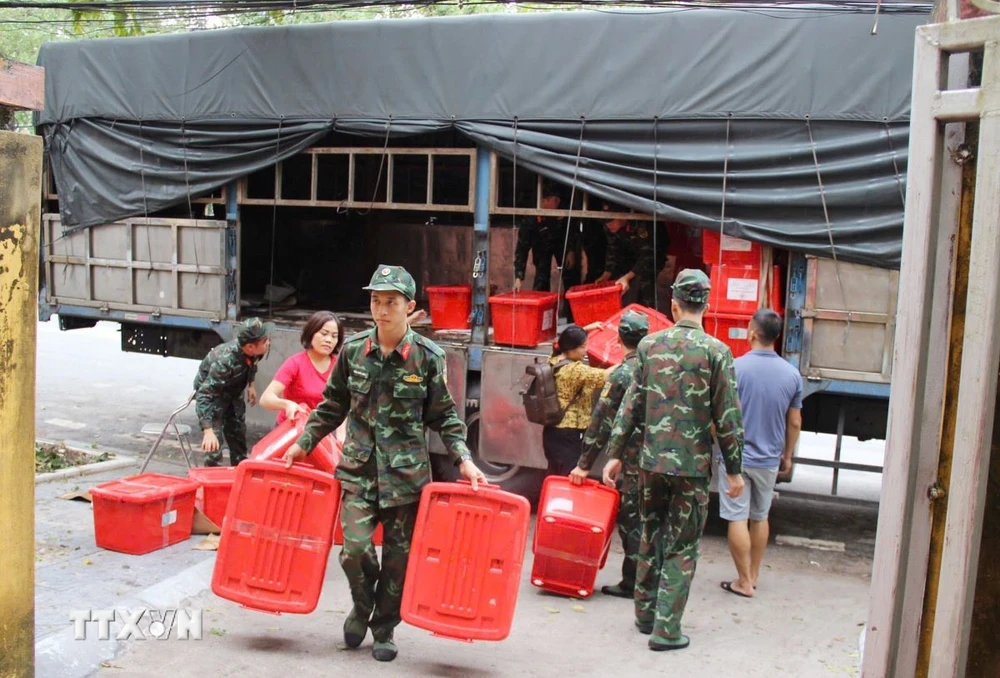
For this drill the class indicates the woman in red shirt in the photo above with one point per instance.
(302, 377)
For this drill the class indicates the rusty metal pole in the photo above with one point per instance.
(963, 246)
(20, 216)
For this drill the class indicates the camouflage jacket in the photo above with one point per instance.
(223, 376)
(603, 418)
(631, 249)
(387, 403)
(685, 384)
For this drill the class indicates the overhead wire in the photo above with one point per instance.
(138, 10)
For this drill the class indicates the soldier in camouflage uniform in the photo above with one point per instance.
(631, 329)
(389, 384)
(225, 373)
(633, 258)
(686, 385)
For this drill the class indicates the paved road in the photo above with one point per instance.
(91, 391)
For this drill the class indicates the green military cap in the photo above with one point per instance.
(393, 279)
(692, 286)
(632, 327)
(251, 330)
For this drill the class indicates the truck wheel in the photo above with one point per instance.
(521, 480)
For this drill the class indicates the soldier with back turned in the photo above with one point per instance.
(685, 386)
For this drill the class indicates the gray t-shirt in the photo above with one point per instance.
(768, 387)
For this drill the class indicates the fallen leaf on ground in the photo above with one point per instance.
(88, 561)
(578, 608)
(218, 632)
(209, 543)
(551, 610)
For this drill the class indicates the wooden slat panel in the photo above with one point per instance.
(22, 85)
(895, 610)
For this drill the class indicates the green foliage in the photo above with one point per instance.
(49, 458)
(23, 30)
(121, 24)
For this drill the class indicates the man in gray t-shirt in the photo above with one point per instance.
(771, 398)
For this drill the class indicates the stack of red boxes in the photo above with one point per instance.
(736, 275)
(572, 535)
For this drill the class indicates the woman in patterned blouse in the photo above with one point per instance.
(576, 384)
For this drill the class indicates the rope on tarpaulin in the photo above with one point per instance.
(569, 218)
(829, 230)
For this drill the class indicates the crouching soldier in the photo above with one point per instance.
(631, 329)
(225, 373)
(389, 384)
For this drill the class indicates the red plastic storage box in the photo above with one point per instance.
(524, 318)
(730, 328)
(603, 349)
(324, 457)
(451, 306)
(734, 289)
(777, 302)
(572, 535)
(276, 537)
(215, 485)
(338, 534)
(143, 513)
(594, 302)
(465, 561)
(734, 250)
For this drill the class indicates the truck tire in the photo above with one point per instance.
(521, 480)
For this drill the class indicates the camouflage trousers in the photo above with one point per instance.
(233, 435)
(674, 510)
(629, 526)
(377, 592)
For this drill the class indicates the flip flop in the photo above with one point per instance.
(728, 586)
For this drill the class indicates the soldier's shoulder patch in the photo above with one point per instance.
(431, 347)
(413, 379)
(360, 336)
(606, 390)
